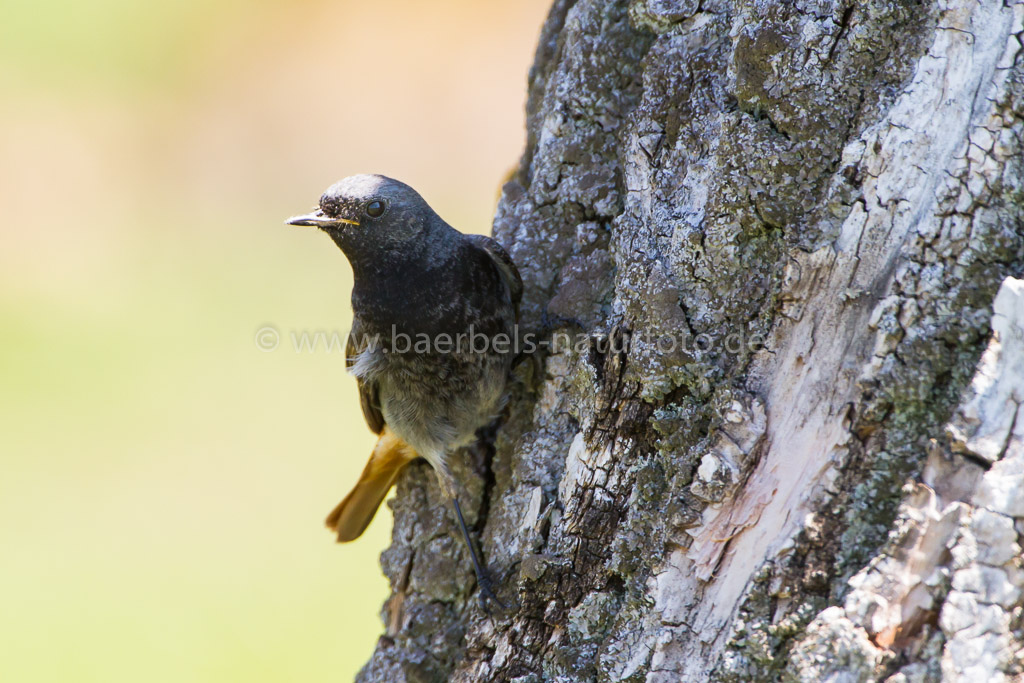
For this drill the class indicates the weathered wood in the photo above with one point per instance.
(768, 445)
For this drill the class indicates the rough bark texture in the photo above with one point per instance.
(842, 181)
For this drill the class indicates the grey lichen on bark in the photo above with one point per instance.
(763, 241)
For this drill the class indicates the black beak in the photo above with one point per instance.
(318, 219)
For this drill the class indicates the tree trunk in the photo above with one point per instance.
(774, 432)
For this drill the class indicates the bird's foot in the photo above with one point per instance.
(483, 580)
(487, 595)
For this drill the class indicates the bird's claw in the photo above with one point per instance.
(487, 595)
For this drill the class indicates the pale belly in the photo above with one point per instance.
(437, 403)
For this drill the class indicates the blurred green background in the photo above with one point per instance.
(163, 480)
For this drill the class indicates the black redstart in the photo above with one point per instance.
(431, 344)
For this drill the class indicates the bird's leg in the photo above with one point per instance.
(483, 579)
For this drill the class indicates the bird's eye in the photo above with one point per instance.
(375, 209)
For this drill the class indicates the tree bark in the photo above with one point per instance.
(779, 436)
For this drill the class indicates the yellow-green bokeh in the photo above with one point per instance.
(162, 479)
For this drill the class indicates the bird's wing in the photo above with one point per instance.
(369, 397)
(505, 265)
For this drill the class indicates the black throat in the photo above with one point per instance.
(409, 290)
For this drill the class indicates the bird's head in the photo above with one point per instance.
(369, 214)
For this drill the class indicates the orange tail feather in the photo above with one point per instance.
(352, 515)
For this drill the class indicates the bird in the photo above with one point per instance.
(432, 338)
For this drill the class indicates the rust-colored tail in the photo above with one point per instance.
(352, 515)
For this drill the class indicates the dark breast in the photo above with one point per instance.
(461, 293)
